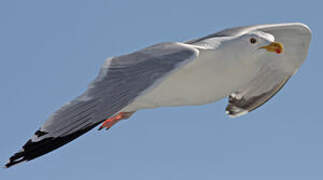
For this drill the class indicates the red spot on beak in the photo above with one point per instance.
(278, 51)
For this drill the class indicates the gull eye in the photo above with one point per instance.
(253, 40)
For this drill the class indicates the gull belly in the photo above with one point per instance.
(208, 78)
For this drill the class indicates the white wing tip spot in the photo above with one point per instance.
(236, 114)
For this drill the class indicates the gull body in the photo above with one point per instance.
(217, 71)
(210, 77)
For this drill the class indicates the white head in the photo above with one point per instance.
(252, 45)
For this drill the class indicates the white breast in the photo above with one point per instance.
(206, 79)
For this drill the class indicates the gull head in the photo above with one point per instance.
(254, 44)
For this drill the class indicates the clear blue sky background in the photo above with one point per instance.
(51, 50)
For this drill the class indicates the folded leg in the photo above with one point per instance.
(114, 119)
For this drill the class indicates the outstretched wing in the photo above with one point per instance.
(120, 81)
(267, 83)
(269, 28)
(276, 70)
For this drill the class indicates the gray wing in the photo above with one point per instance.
(257, 92)
(236, 31)
(276, 71)
(120, 81)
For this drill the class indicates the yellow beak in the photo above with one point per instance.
(274, 47)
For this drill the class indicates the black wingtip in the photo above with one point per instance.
(32, 150)
(15, 159)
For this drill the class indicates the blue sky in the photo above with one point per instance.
(51, 50)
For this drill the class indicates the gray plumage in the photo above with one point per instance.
(120, 81)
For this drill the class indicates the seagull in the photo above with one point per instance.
(248, 64)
